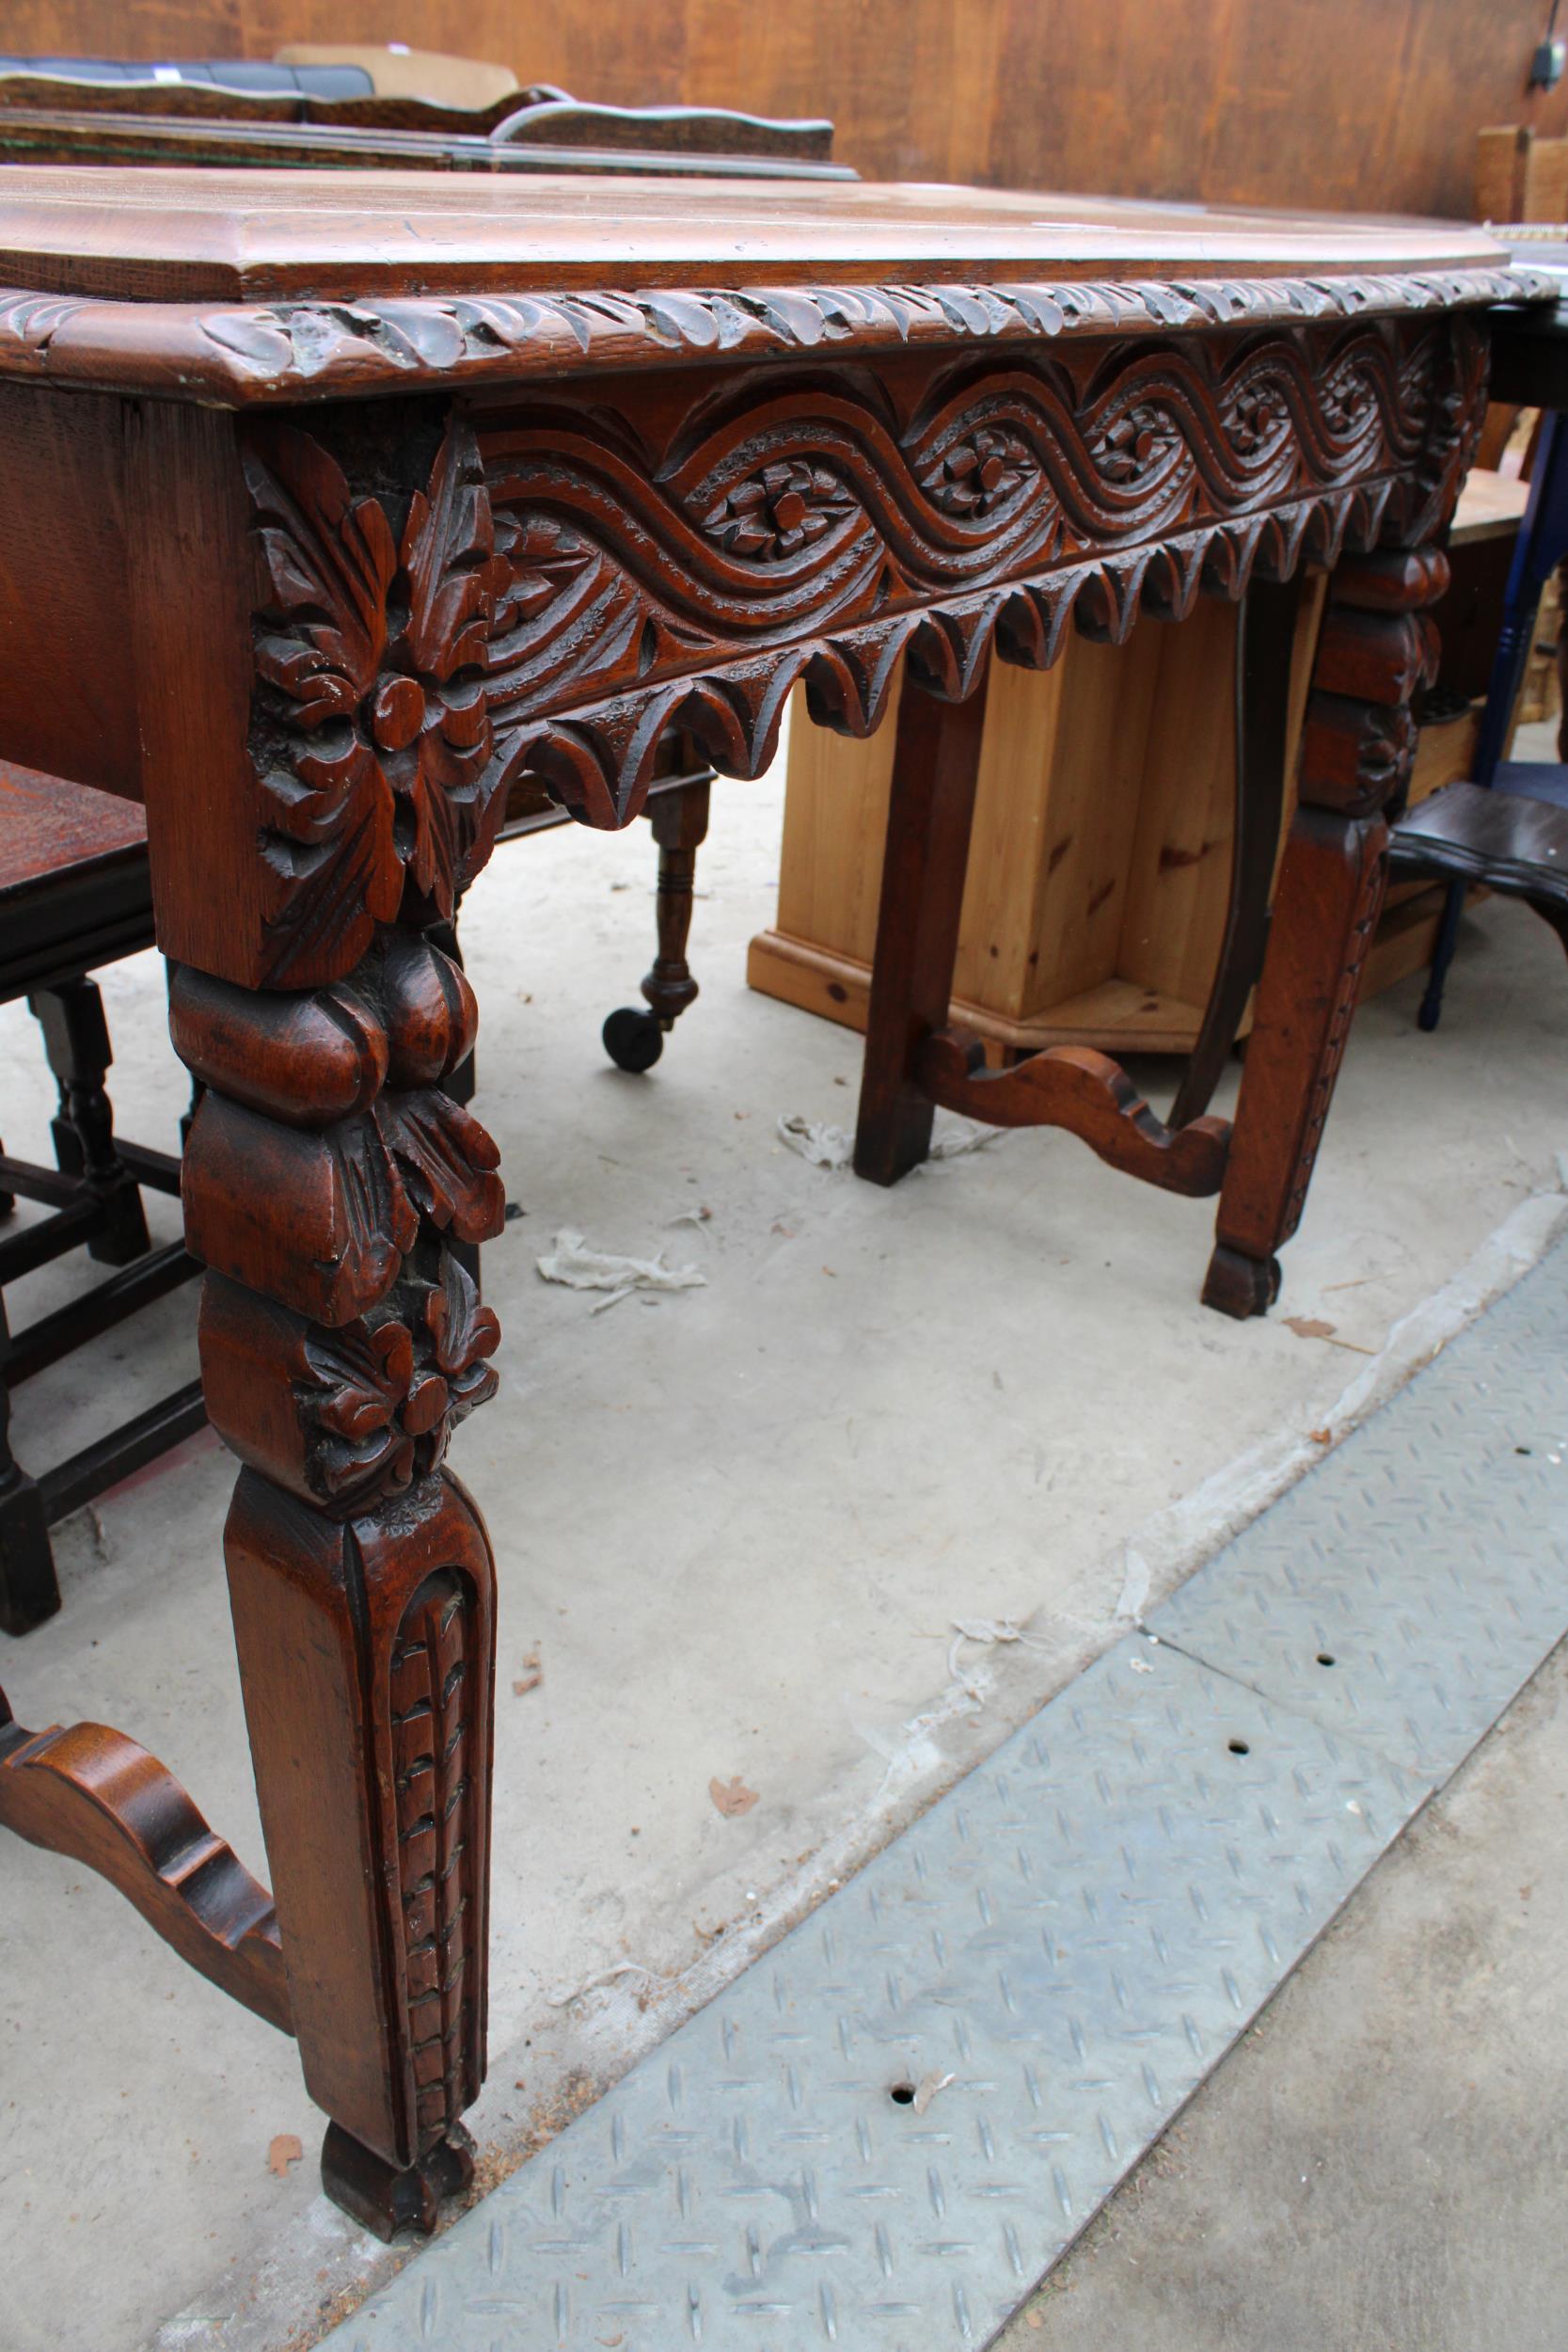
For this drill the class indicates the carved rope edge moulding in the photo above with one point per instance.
(239, 353)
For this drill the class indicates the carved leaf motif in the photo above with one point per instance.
(357, 1382)
(327, 565)
(420, 339)
(441, 1164)
(372, 739)
(464, 1335)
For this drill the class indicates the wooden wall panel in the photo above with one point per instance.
(1348, 104)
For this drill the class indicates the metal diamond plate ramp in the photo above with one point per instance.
(1405, 1589)
(1067, 1944)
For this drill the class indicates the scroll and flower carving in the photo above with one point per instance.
(563, 590)
(981, 473)
(1138, 442)
(996, 507)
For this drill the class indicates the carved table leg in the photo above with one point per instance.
(1377, 646)
(634, 1040)
(341, 1340)
(931, 817)
(317, 800)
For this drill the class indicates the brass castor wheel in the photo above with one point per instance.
(633, 1040)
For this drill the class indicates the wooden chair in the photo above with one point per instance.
(74, 896)
(1512, 837)
(1532, 366)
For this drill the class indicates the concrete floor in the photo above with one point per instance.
(1380, 2165)
(736, 1524)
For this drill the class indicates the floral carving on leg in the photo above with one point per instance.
(371, 734)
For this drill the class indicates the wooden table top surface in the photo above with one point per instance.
(199, 235)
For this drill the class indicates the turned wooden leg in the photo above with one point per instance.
(1377, 646)
(76, 1039)
(327, 1175)
(930, 816)
(634, 1040)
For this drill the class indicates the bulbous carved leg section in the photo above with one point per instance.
(1377, 647)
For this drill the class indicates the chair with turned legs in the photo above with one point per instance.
(73, 896)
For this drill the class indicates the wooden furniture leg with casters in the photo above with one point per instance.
(634, 1039)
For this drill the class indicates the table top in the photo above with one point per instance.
(234, 288)
(256, 235)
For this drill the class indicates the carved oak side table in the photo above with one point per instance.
(328, 507)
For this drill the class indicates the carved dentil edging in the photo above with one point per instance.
(258, 353)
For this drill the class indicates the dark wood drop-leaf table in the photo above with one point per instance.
(327, 507)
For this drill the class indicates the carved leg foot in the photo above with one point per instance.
(930, 816)
(385, 2199)
(1375, 649)
(1241, 1286)
(634, 1040)
(77, 1039)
